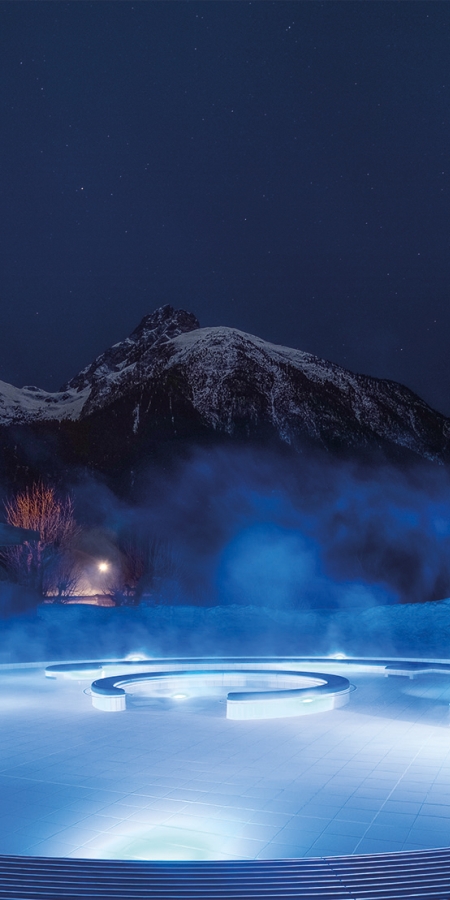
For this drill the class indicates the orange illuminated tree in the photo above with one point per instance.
(45, 564)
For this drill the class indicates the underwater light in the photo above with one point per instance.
(136, 657)
(179, 696)
(308, 700)
(338, 656)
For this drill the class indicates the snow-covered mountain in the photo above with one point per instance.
(97, 382)
(172, 380)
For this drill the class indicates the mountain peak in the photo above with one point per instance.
(163, 324)
(153, 331)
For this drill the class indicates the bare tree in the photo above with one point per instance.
(144, 560)
(44, 564)
(62, 575)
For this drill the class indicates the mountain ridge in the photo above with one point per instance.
(172, 380)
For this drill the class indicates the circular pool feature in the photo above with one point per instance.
(286, 693)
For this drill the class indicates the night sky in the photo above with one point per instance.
(280, 167)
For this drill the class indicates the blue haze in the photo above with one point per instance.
(271, 553)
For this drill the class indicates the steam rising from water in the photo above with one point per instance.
(301, 532)
(266, 530)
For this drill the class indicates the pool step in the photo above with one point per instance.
(415, 875)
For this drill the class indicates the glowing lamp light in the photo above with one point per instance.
(103, 567)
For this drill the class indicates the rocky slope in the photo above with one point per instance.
(171, 380)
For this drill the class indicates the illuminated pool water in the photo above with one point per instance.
(173, 778)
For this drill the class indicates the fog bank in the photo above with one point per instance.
(255, 527)
(82, 632)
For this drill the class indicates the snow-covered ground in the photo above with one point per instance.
(177, 780)
(32, 404)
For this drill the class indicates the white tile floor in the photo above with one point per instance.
(177, 780)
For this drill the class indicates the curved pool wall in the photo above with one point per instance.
(286, 693)
(102, 667)
(88, 669)
(278, 700)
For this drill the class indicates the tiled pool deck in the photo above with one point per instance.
(177, 780)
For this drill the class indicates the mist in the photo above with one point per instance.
(303, 532)
(271, 554)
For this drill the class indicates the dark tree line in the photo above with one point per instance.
(52, 566)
